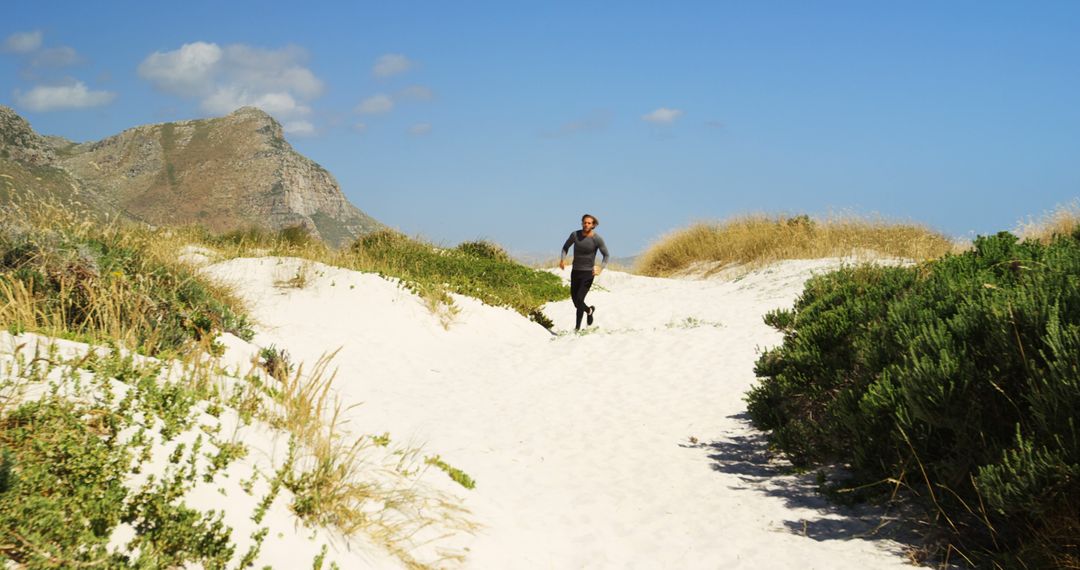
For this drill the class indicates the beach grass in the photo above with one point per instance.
(1061, 221)
(757, 240)
(68, 277)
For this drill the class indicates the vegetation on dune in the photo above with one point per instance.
(105, 283)
(958, 379)
(120, 285)
(758, 240)
(477, 269)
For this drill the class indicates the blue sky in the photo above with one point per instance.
(506, 121)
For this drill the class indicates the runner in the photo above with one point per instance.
(586, 242)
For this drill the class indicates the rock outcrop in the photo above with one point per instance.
(228, 173)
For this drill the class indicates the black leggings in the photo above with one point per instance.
(580, 283)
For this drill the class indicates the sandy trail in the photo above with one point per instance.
(580, 443)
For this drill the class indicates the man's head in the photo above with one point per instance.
(589, 222)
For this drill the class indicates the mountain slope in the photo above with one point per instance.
(227, 173)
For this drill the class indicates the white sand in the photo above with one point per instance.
(580, 444)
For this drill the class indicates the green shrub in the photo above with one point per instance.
(484, 249)
(959, 377)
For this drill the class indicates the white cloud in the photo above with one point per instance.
(375, 105)
(271, 70)
(23, 42)
(417, 93)
(662, 116)
(231, 97)
(226, 78)
(188, 72)
(420, 129)
(56, 57)
(391, 64)
(51, 98)
(301, 128)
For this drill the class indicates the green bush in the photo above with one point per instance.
(484, 249)
(959, 377)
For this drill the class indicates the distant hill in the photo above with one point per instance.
(228, 173)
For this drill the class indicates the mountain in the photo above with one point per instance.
(227, 173)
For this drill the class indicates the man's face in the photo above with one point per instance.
(588, 224)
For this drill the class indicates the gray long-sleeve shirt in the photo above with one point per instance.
(585, 250)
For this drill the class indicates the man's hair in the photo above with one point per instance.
(595, 221)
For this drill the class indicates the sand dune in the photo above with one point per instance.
(624, 446)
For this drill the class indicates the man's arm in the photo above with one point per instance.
(565, 248)
(603, 251)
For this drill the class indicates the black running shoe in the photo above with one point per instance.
(588, 319)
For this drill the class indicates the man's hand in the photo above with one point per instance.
(562, 264)
(596, 271)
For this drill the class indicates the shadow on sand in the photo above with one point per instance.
(744, 453)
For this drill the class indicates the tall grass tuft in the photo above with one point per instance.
(337, 485)
(760, 239)
(1062, 221)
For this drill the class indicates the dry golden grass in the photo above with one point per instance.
(756, 240)
(1063, 220)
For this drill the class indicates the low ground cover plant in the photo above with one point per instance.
(760, 239)
(958, 379)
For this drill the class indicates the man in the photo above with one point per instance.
(586, 242)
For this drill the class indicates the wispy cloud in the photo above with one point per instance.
(375, 105)
(73, 96)
(662, 116)
(391, 64)
(360, 127)
(420, 129)
(300, 128)
(225, 78)
(714, 124)
(60, 56)
(23, 42)
(417, 93)
(593, 122)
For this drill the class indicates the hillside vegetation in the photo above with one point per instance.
(957, 379)
(758, 240)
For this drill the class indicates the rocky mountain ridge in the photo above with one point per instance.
(227, 173)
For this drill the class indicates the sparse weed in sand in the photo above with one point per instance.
(337, 485)
(693, 323)
(299, 279)
(460, 477)
(753, 241)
